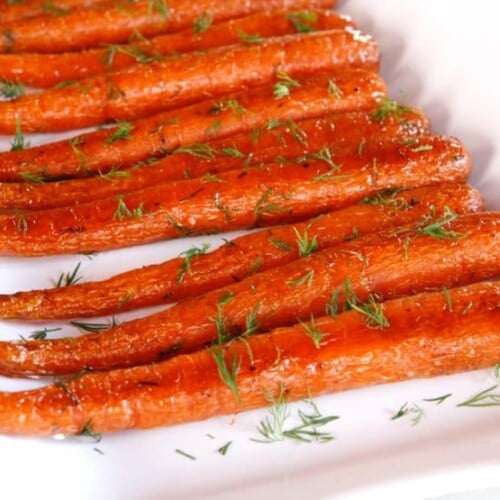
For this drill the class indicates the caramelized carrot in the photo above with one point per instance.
(15, 11)
(159, 135)
(393, 264)
(332, 137)
(46, 70)
(424, 338)
(140, 90)
(115, 23)
(173, 280)
(262, 196)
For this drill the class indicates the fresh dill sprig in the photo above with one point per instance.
(202, 23)
(273, 427)
(324, 154)
(232, 151)
(313, 332)
(306, 245)
(334, 90)
(250, 38)
(439, 399)
(32, 177)
(82, 157)
(303, 21)
(228, 104)
(42, 334)
(409, 410)
(306, 279)
(93, 327)
(483, 399)
(19, 143)
(213, 129)
(120, 133)
(282, 87)
(114, 174)
(160, 6)
(228, 372)
(54, 10)
(12, 90)
(69, 278)
(387, 107)
(88, 430)
(436, 228)
(223, 449)
(198, 150)
(279, 244)
(122, 211)
(189, 255)
(185, 454)
(386, 197)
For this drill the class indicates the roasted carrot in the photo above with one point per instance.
(129, 143)
(195, 272)
(424, 337)
(141, 89)
(14, 11)
(260, 196)
(398, 263)
(332, 137)
(46, 70)
(116, 23)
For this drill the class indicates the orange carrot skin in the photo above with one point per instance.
(262, 196)
(96, 25)
(162, 133)
(341, 135)
(46, 70)
(142, 90)
(170, 282)
(425, 338)
(33, 8)
(381, 263)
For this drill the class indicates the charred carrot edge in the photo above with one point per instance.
(261, 196)
(46, 70)
(141, 90)
(254, 110)
(331, 137)
(402, 262)
(33, 8)
(423, 333)
(195, 272)
(93, 26)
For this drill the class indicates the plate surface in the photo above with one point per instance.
(441, 56)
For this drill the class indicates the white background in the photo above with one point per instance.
(443, 56)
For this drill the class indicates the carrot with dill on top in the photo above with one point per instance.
(443, 251)
(327, 138)
(117, 22)
(195, 271)
(131, 142)
(325, 354)
(15, 11)
(144, 89)
(240, 199)
(46, 70)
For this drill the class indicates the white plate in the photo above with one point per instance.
(443, 57)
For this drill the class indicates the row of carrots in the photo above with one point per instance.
(213, 117)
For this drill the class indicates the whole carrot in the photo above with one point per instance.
(46, 70)
(161, 134)
(331, 137)
(261, 196)
(14, 11)
(423, 337)
(115, 23)
(196, 272)
(140, 90)
(446, 251)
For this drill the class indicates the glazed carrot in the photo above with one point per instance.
(46, 70)
(261, 196)
(15, 11)
(424, 338)
(336, 135)
(173, 280)
(393, 264)
(116, 23)
(159, 135)
(140, 90)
